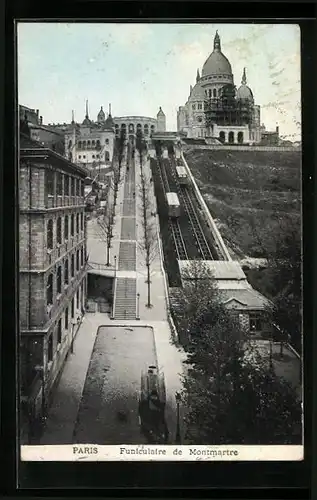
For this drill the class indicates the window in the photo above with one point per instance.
(72, 186)
(66, 185)
(66, 227)
(214, 93)
(78, 187)
(73, 266)
(107, 156)
(66, 318)
(83, 189)
(97, 144)
(50, 234)
(50, 349)
(107, 141)
(66, 273)
(209, 92)
(88, 144)
(59, 280)
(222, 136)
(49, 290)
(93, 143)
(77, 260)
(77, 223)
(59, 183)
(73, 308)
(194, 107)
(97, 156)
(50, 182)
(200, 106)
(231, 137)
(255, 322)
(82, 221)
(59, 230)
(59, 332)
(79, 157)
(72, 225)
(84, 144)
(84, 156)
(240, 137)
(93, 156)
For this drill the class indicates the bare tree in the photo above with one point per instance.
(105, 223)
(149, 244)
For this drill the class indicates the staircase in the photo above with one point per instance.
(125, 300)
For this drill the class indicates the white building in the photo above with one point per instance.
(233, 115)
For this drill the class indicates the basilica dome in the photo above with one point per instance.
(197, 94)
(217, 63)
(244, 92)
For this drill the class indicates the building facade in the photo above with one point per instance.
(52, 268)
(131, 125)
(216, 109)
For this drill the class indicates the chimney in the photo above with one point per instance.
(277, 129)
(41, 120)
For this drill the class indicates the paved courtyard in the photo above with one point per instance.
(108, 412)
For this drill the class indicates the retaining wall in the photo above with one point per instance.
(215, 232)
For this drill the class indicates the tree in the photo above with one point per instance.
(140, 145)
(199, 298)
(231, 401)
(148, 245)
(229, 397)
(106, 226)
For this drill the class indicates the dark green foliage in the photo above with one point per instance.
(229, 398)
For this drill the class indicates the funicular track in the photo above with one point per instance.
(189, 205)
(173, 224)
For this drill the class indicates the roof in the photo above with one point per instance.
(197, 94)
(248, 298)
(181, 171)
(31, 148)
(244, 92)
(221, 269)
(172, 199)
(216, 64)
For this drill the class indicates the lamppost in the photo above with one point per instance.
(137, 306)
(178, 433)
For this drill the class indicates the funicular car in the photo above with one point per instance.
(152, 404)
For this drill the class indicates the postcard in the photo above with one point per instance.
(160, 230)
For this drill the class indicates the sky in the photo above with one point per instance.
(140, 67)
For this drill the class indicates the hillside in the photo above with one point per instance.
(249, 194)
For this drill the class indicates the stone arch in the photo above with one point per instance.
(240, 137)
(222, 136)
(231, 137)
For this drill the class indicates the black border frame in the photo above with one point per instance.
(270, 477)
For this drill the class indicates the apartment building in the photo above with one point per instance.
(52, 269)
